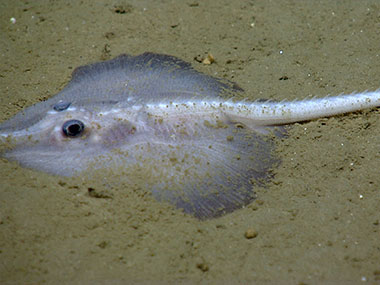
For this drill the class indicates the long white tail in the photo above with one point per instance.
(279, 113)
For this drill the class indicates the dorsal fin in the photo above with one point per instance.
(143, 78)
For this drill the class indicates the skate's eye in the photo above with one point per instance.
(61, 106)
(73, 128)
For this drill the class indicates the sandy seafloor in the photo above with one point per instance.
(318, 220)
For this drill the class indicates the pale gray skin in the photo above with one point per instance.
(201, 162)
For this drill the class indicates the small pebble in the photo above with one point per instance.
(250, 233)
(209, 59)
(202, 266)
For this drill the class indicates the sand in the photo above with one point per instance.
(318, 220)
